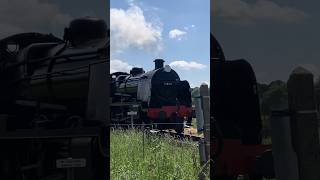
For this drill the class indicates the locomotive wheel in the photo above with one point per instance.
(189, 121)
(9, 166)
(263, 166)
(101, 171)
(179, 127)
(161, 119)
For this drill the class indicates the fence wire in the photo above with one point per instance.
(136, 153)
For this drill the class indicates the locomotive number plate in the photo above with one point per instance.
(167, 84)
(132, 113)
(70, 163)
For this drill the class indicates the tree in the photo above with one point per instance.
(273, 96)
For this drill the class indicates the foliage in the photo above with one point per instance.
(273, 96)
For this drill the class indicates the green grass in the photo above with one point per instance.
(135, 155)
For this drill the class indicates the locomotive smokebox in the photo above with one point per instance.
(158, 63)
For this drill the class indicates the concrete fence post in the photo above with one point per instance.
(284, 157)
(202, 107)
(204, 93)
(304, 123)
(198, 108)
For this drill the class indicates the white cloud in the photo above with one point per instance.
(185, 65)
(119, 65)
(131, 2)
(31, 15)
(129, 28)
(239, 11)
(313, 68)
(177, 34)
(188, 27)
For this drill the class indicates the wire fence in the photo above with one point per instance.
(143, 125)
(137, 153)
(153, 125)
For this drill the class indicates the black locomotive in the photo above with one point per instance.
(157, 96)
(235, 102)
(54, 103)
(236, 139)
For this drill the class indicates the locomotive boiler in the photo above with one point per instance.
(54, 103)
(157, 96)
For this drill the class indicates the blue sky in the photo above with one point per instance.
(47, 16)
(274, 36)
(176, 31)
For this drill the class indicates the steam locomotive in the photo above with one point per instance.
(54, 103)
(157, 96)
(236, 141)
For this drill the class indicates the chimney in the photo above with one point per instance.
(158, 63)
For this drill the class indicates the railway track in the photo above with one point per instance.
(176, 135)
(159, 132)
